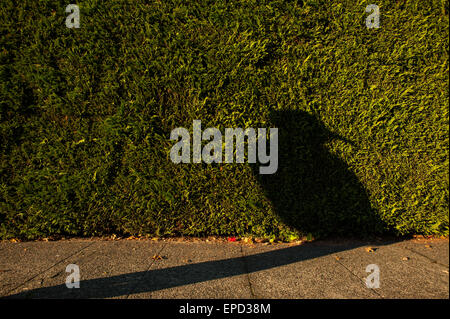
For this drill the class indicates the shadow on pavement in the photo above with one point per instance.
(158, 279)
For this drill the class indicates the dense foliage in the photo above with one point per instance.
(86, 115)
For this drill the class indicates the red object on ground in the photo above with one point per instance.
(231, 238)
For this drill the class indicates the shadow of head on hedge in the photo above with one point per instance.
(313, 190)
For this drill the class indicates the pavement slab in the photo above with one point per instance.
(23, 263)
(303, 271)
(216, 269)
(403, 273)
(197, 270)
(107, 269)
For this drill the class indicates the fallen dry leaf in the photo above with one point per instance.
(337, 257)
(428, 246)
(370, 249)
(158, 257)
(405, 258)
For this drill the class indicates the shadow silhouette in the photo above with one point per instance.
(313, 191)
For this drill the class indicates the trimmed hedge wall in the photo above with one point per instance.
(86, 115)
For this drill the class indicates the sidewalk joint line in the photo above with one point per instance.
(45, 270)
(146, 271)
(360, 279)
(426, 257)
(247, 273)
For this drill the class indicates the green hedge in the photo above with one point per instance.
(86, 116)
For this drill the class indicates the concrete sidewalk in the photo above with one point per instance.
(216, 269)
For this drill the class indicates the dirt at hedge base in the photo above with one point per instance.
(237, 240)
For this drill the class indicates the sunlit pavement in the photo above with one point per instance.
(417, 268)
